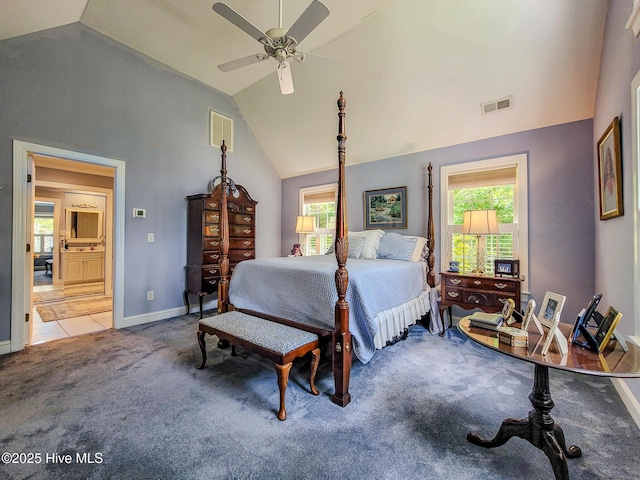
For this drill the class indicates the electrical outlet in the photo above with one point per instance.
(151, 237)
(149, 295)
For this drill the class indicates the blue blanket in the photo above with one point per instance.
(302, 289)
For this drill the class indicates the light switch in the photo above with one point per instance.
(150, 238)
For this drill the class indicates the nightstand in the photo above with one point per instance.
(471, 291)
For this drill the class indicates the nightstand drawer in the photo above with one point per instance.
(488, 283)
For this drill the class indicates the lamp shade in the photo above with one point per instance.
(305, 224)
(480, 222)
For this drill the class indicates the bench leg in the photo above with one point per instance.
(203, 349)
(315, 360)
(283, 379)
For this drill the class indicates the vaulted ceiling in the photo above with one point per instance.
(414, 72)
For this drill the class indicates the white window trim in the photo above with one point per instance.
(520, 210)
(309, 191)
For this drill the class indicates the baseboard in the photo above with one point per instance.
(5, 347)
(164, 314)
(628, 398)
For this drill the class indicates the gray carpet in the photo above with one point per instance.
(134, 401)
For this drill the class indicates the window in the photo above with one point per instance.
(497, 184)
(43, 228)
(319, 202)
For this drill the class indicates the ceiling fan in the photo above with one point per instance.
(278, 43)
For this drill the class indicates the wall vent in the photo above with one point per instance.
(497, 105)
(220, 128)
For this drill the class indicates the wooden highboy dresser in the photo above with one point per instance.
(203, 238)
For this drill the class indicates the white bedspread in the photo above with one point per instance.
(303, 289)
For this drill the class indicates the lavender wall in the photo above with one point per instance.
(561, 222)
(615, 237)
(73, 88)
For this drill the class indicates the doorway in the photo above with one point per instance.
(71, 241)
(23, 196)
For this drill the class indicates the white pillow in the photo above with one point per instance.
(370, 249)
(416, 256)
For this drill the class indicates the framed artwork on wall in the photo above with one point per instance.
(385, 208)
(610, 172)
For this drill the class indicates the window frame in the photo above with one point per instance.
(520, 208)
(327, 187)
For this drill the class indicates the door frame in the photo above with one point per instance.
(20, 267)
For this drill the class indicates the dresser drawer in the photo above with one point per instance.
(213, 230)
(241, 219)
(240, 255)
(211, 257)
(242, 243)
(210, 284)
(211, 216)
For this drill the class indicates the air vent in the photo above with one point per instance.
(497, 105)
(221, 128)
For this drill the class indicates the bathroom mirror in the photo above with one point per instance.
(84, 226)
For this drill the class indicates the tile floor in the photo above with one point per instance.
(69, 327)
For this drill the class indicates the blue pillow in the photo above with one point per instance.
(394, 246)
(356, 245)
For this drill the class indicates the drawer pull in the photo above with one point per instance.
(247, 230)
(502, 300)
(249, 209)
(477, 282)
(456, 281)
(247, 243)
(211, 282)
(212, 271)
(500, 285)
(214, 243)
(215, 217)
(453, 294)
(247, 219)
(247, 254)
(213, 205)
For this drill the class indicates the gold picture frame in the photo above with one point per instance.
(610, 172)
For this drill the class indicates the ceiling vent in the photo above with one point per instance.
(497, 105)
(221, 128)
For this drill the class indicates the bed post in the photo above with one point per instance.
(431, 242)
(223, 285)
(341, 339)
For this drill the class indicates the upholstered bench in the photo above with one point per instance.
(279, 343)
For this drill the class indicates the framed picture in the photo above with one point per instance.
(386, 208)
(506, 267)
(607, 327)
(454, 266)
(610, 172)
(296, 251)
(551, 307)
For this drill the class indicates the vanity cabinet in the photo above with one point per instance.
(83, 266)
(203, 238)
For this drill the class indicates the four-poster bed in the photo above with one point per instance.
(373, 308)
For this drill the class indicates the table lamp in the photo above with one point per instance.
(479, 223)
(305, 224)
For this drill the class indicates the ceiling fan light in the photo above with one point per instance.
(283, 70)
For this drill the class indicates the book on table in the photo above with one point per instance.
(490, 321)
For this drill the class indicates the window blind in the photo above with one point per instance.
(484, 178)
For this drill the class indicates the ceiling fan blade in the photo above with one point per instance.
(238, 20)
(283, 70)
(242, 62)
(310, 19)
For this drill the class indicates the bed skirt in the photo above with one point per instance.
(393, 323)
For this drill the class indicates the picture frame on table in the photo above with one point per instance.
(385, 208)
(607, 327)
(296, 251)
(610, 172)
(454, 266)
(549, 316)
(508, 267)
(551, 305)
